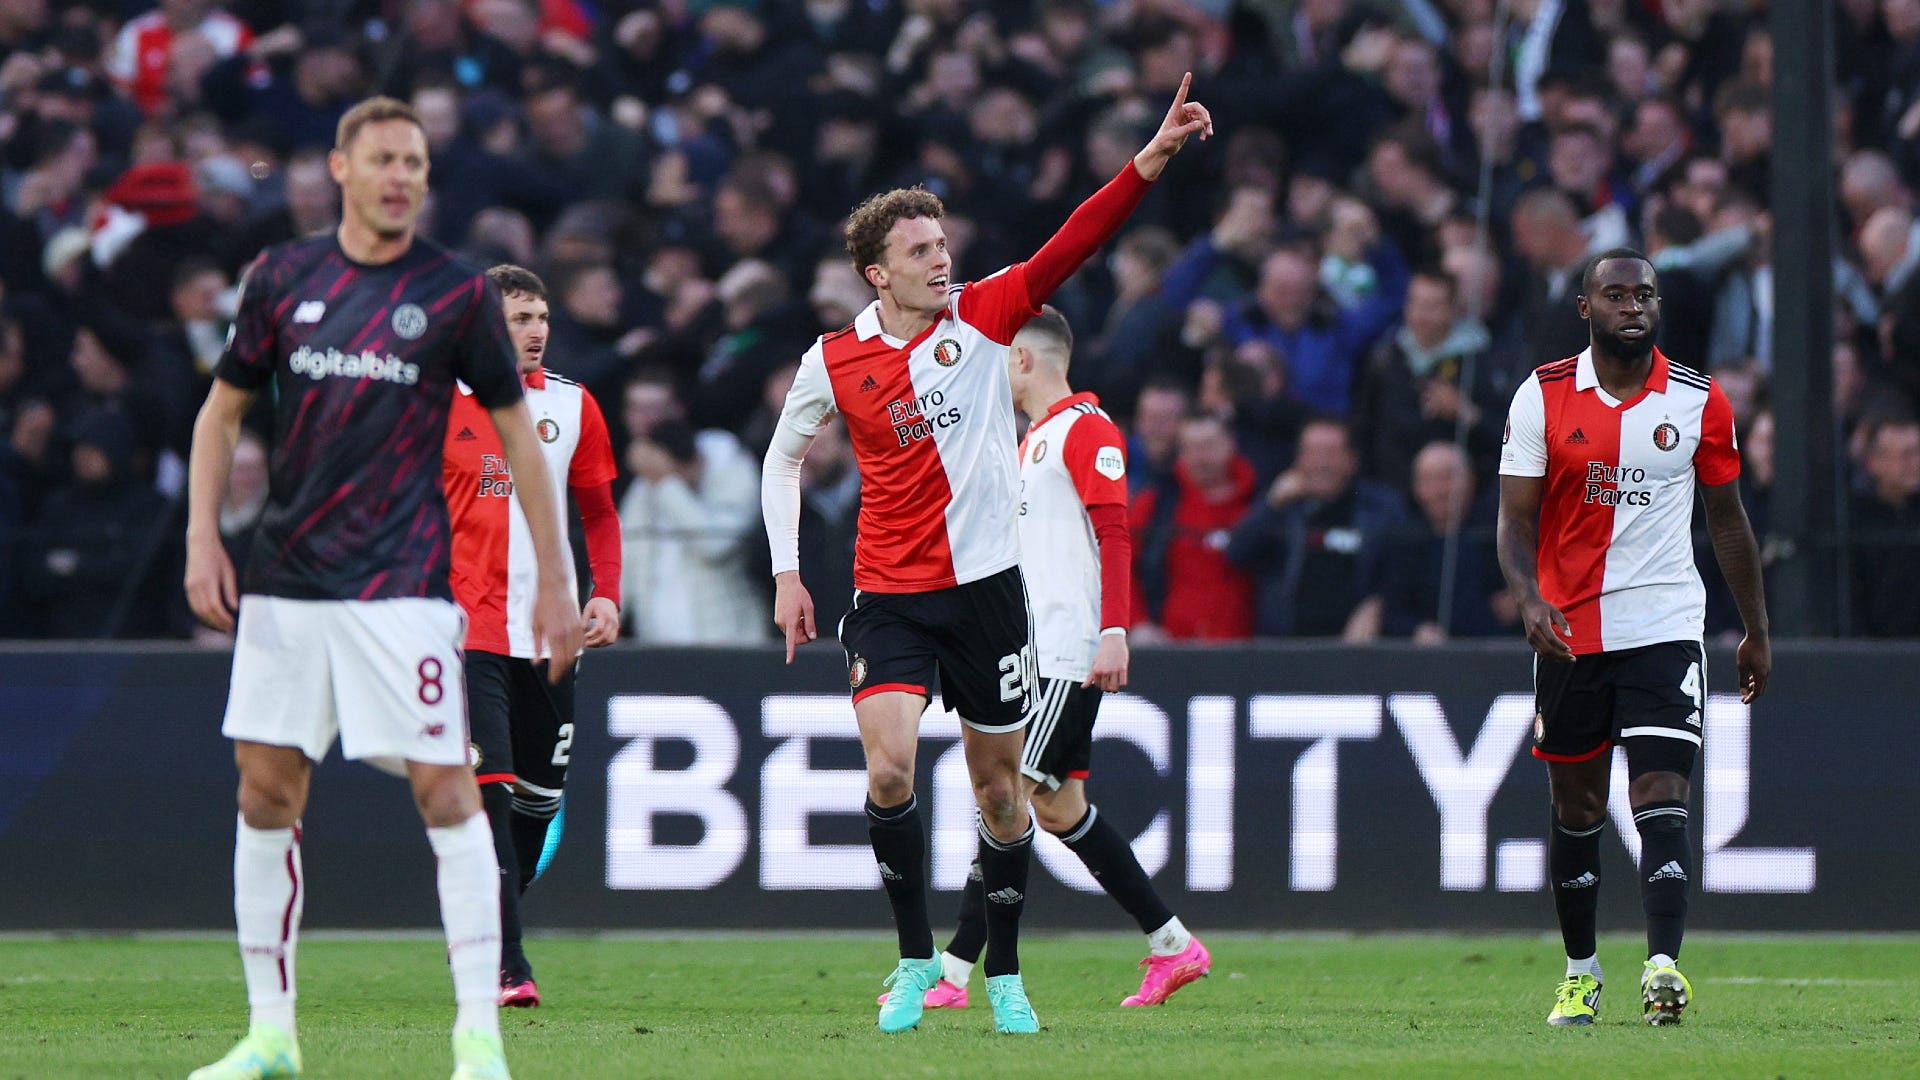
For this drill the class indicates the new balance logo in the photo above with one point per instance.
(1584, 881)
(889, 873)
(1008, 895)
(1670, 871)
(309, 311)
(1578, 438)
(466, 435)
(869, 384)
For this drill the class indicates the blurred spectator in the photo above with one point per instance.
(1311, 541)
(1886, 531)
(158, 58)
(1246, 385)
(1185, 588)
(1547, 235)
(1411, 392)
(687, 518)
(1153, 442)
(1141, 335)
(298, 82)
(96, 562)
(1411, 565)
(764, 331)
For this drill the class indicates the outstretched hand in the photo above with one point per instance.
(1183, 118)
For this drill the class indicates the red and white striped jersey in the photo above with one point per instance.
(1616, 516)
(144, 47)
(494, 571)
(1072, 458)
(931, 422)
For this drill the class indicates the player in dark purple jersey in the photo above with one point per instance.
(346, 623)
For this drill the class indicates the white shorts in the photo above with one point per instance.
(384, 675)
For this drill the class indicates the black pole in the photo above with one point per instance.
(1800, 532)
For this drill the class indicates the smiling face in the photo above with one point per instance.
(915, 268)
(382, 173)
(1623, 304)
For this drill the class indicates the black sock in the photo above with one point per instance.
(900, 847)
(498, 801)
(971, 935)
(1666, 863)
(1003, 877)
(1110, 858)
(1573, 863)
(529, 843)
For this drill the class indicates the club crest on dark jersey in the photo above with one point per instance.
(857, 672)
(549, 429)
(946, 352)
(1039, 451)
(1666, 436)
(409, 321)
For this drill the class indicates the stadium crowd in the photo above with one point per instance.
(1302, 331)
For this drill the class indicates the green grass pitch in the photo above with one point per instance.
(791, 1006)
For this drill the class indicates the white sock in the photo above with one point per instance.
(267, 898)
(1589, 966)
(954, 969)
(470, 911)
(1170, 940)
(1660, 960)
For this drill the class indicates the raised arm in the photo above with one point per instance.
(1001, 304)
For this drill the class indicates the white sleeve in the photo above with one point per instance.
(809, 405)
(1523, 449)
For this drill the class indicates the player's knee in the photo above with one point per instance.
(1579, 809)
(1054, 819)
(267, 804)
(1658, 785)
(998, 798)
(890, 783)
(446, 801)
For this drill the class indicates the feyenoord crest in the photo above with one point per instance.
(409, 321)
(857, 672)
(473, 756)
(946, 352)
(1039, 451)
(1539, 726)
(548, 429)
(1666, 436)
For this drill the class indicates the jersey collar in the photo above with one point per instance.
(866, 326)
(1066, 403)
(535, 379)
(1586, 378)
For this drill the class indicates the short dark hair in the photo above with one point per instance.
(872, 220)
(1593, 265)
(374, 110)
(1051, 323)
(1440, 277)
(514, 280)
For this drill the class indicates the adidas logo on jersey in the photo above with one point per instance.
(1584, 881)
(466, 435)
(1671, 870)
(1578, 438)
(1008, 895)
(889, 873)
(869, 385)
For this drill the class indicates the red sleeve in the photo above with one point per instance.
(1110, 532)
(592, 462)
(1001, 304)
(602, 526)
(1096, 459)
(1717, 460)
